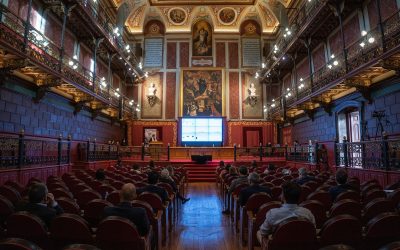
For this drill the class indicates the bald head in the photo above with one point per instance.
(128, 192)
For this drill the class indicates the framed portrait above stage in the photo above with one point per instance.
(202, 39)
(202, 92)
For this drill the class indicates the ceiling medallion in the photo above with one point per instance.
(227, 15)
(177, 16)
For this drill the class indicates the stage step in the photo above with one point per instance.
(201, 172)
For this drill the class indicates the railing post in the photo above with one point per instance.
(109, 151)
(385, 151)
(345, 153)
(335, 151)
(316, 160)
(168, 152)
(88, 150)
(94, 150)
(142, 156)
(286, 152)
(234, 152)
(69, 150)
(21, 149)
(59, 148)
(261, 151)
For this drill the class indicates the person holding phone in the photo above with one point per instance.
(42, 203)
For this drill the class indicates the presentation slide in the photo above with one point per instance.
(201, 130)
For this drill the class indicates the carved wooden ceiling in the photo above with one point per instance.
(178, 16)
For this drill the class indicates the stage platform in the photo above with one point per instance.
(206, 172)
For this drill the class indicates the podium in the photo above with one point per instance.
(155, 149)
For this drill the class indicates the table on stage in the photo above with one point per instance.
(216, 153)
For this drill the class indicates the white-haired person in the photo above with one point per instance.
(166, 178)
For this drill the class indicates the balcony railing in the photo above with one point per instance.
(302, 153)
(21, 152)
(381, 154)
(42, 51)
(366, 51)
(93, 151)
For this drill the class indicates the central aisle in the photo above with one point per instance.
(201, 224)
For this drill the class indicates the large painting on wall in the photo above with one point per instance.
(202, 92)
(202, 39)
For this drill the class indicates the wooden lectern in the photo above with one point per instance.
(155, 149)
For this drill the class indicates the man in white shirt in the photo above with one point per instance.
(289, 210)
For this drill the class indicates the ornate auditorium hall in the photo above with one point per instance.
(201, 124)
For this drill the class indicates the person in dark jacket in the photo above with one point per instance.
(304, 177)
(41, 203)
(152, 179)
(342, 186)
(254, 180)
(125, 209)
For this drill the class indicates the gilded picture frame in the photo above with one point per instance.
(202, 92)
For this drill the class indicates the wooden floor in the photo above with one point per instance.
(201, 224)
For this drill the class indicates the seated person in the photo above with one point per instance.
(101, 176)
(221, 166)
(151, 167)
(243, 172)
(166, 178)
(270, 169)
(242, 179)
(341, 179)
(41, 203)
(304, 177)
(125, 209)
(253, 166)
(152, 179)
(289, 210)
(136, 169)
(254, 181)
